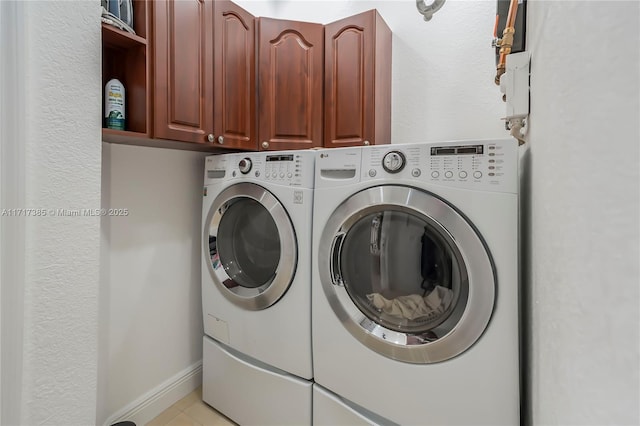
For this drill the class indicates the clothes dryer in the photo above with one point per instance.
(256, 286)
(415, 307)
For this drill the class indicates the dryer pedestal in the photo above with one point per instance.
(250, 392)
(330, 409)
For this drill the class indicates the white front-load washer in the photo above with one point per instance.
(415, 308)
(256, 286)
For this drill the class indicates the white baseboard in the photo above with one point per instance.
(154, 402)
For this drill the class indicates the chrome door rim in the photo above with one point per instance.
(268, 293)
(482, 281)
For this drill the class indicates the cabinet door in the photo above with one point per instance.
(235, 77)
(290, 84)
(183, 46)
(357, 81)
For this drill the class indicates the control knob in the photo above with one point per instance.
(393, 161)
(245, 166)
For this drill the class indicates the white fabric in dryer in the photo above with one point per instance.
(414, 306)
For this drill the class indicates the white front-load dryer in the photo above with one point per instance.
(256, 286)
(415, 308)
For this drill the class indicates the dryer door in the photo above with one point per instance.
(407, 274)
(250, 246)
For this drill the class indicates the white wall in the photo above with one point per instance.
(62, 170)
(583, 212)
(150, 313)
(12, 229)
(55, 161)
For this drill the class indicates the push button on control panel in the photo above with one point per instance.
(435, 174)
(477, 174)
(448, 174)
(462, 174)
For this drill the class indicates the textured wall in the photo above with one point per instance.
(62, 170)
(150, 306)
(583, 213)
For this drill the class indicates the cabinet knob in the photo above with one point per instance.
(220, 140)
(265, 145)
(210, 137)
(366, 143)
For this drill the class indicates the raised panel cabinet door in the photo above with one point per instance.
(357, 81)
(235, 77)
(183, 46)
(290, 104)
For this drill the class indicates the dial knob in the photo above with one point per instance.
(393, 161)
(245, 166)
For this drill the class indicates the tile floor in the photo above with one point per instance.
(191, 411)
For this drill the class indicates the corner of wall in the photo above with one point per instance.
(12, 187)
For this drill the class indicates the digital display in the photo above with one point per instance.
(280, 157)
(457, 150)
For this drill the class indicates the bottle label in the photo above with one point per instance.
(115, 121)
(114, 106)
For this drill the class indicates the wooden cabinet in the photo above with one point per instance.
(183, 72)
(125, 56)
(290, 80)
(204, 73)
(235, 77)
(357, 65)
(209, 73)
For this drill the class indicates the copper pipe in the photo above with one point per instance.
(506, 41)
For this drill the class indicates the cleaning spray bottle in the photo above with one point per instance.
(114, 113)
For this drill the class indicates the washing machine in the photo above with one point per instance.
(415, 292)
(256, 286)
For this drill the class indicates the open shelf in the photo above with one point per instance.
(114, 37)
(130, 67)
(112, 135)
(126, 57)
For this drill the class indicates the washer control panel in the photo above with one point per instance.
(282, 168)
(488, 164)
(287, 168)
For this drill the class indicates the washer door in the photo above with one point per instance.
(406, 274)
(250, 245)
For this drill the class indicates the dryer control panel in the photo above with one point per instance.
(287, 168)
(479, 165)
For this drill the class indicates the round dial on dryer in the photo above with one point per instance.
(245, 166)
(393, 161)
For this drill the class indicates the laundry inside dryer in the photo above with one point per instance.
(401, 272)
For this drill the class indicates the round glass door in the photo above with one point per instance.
(250, 246)
(406, 274)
